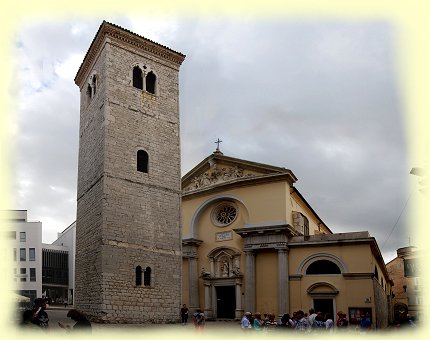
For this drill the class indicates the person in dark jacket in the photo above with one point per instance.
(184, 314)
(40, 317)
(82, 323)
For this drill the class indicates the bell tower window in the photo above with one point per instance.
(89, 91)
(138, 276)
(94, 84)
(142, 161)
(150, 82)
(137, 78)
(147, 277)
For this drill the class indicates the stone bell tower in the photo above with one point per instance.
(128, 234)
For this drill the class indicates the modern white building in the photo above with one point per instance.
(24, 239)
(67, 239)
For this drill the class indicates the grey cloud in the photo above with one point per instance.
(318, 97)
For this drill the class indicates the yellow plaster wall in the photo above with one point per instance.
(295, 203)
(266, 282)
(352, 293)
(271, 202)
(262, 203)
(355, 263)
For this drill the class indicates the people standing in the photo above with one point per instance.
(293, 320)
(82, 323)
(286, 320)
(184, 314)
(312, 316)
(302, 324)
(199, 321)
(342, 321)
(318, 326)
(365, 323)
(245, 323)
(271, 323)
(258, 322)
(329, 323)
(40, 316)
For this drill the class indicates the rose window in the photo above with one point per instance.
(224, 214)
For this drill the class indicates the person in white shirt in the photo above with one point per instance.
(329, 324)
(302, 324)
(245, 323)
(312, 316)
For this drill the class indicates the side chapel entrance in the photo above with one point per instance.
(324, 306)
(323, 296)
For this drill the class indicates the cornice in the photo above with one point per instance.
(122, 35)
(271, 229)
(191, 241)
(216, 157)
(358, 276)
(238, 182)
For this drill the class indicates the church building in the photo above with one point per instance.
(251, 242)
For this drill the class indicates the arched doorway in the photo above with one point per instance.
(323, 297)
(399, 308)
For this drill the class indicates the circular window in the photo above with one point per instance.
(224, 214)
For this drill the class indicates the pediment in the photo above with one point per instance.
(218, 169)
(322, 288)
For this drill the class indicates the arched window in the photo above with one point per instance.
(142, 161)
(93, 84)
(150, 82)
(89, 91)
(147, 277)
(138, 276)
(323, 267)
(137, 78)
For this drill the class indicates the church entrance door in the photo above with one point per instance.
(226, 302)
(324, 306)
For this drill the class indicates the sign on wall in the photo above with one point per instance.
(224, 236)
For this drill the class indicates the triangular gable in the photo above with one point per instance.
(217, 169)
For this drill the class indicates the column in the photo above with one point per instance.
(239, 309)
(193, 279)
(249, 281)
(212, 268)
(283, 282)
(208, 300)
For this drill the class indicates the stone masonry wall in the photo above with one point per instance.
(130, 218)
(89, 224)
(382, 306)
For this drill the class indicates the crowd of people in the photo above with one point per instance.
(300, 322)
(315, 322)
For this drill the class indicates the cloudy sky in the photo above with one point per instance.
(320, 97)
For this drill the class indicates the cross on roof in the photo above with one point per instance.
(217, 142)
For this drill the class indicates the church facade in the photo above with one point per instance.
(233, 236)
(251, 242)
